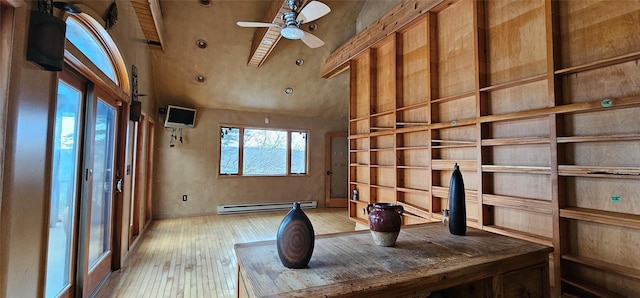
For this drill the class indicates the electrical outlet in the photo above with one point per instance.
(616, 199)
(184, 198)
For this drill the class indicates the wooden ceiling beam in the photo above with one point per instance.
(150, 19)
(396, 18)
(265, 39)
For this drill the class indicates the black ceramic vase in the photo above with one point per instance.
(457, 209)
(295, 239)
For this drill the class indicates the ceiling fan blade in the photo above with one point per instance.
(255, 24)
(313, 11)
(312, 41)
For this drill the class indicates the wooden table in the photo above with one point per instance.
(426, 258)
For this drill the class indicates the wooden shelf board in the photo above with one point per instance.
(381, 128)
(401, 167)
(590, 288)
(359, 183)
(454, 142)
(416, 128)
(357, 119)
(358, 136)
(515, 141)
(514, 83)
(413, 190)
(382, 149)
(602, 265)
(411, 123)
(607, 138)
(383, 166)
(386, 132)
(453, 146)
(602, 217)
(443, 192)
(358, 165)
(413, 148)
(415, 210)
(414, 106)
(440, 191)
(382, 187)
(446, 164)
(359, 202)
(599, 172)
(526, 204)
(599, 64)
(459, 123)
(516, 169)
(358, 150)
(385, 113)
(453, 97)
(519, 234)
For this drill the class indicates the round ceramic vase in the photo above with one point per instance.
(385, 220)
(295, 239)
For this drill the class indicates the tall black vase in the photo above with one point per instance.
(295, 239)
(457, 209)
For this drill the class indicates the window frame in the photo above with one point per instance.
(241, 129)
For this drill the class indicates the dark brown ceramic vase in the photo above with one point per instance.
(295, 239)
(385, 220)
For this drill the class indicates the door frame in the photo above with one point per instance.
(329, 201)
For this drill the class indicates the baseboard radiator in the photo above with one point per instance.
(261, 207)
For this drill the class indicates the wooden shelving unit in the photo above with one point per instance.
(538, 103)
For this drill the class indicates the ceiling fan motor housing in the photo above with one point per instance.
(291, 29)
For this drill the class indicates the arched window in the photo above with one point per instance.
(80, 36)
(89, 36)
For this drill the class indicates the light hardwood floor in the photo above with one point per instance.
(194, 257)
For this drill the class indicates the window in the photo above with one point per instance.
(88, 44)
(262, 152)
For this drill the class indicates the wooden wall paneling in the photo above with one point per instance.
(516, 35)
(455, 46)
(598, 30)
(599, 50)
(412, 70)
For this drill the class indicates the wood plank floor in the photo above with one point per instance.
(194, 257)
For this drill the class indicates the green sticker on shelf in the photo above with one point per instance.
(606, 103)
(453, 123)
(616, 199)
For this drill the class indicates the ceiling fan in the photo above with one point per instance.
(293, 19)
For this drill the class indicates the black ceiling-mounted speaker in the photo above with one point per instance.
(135, 111)
(46, 41)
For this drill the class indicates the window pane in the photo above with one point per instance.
(86, 42)
(265, 152)
(64, 173)
(298, 152)
(229, 150)
(103, 162)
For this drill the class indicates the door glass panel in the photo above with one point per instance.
(102, 182)
(64, 188)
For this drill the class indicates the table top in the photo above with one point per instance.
(348, 263)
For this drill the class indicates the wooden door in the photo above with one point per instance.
(336, 160)
(99, 179)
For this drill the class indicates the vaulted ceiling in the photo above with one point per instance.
(229, 82)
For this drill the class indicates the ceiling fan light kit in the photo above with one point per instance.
(293, 19)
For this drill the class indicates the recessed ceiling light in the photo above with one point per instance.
(313, 27)
(205, 2)
(201, 43)
(289, 90)
(200, 78)
(267, 42)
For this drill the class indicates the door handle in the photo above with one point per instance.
(329, 173)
